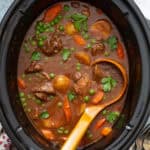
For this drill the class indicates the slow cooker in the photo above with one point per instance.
(136, 35)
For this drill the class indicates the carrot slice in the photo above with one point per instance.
(48, 134)
(120, 51)
(52, 13)
(21, 83)
(106, 130)
(67, 109)
(100, 123)
(79, 40)
(98, 97)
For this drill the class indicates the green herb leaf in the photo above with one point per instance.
(121, 121)
(71, 96)
(112, 116)
(108, 83)
(44, 115)
(36, 56)
(80, 21)
(66, 53)
(66, 8)
(112, 42)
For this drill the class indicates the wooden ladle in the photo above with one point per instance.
(91, 112)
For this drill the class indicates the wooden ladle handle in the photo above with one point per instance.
(91, 112)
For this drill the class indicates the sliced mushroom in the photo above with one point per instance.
(34, 67)
(83, 57)
(101, 29)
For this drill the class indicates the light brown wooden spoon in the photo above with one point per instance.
(91, 112)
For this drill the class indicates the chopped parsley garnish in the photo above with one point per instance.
(80, 22)
(66, 8)
(108, 83)
(36, 56)
(66, 53)
(71, 96)
(112, 42)
(121, 121)
(112, 116)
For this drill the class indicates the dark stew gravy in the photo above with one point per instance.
(56, 80)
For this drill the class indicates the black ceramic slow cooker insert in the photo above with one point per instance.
(133, 28)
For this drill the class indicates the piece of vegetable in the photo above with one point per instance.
(79, 40)
(99, 123)
(108, 83)
(80, 21)
(121, 121)
(71, 96)
(120, 51)
(51, 13)
(21, 83)
(60, 104)
(112, 42)
(89, 135)
(44, 115)
(101, 29)
(106, 130)
(83, 57)
(112, 116)
(52, 75)
(21, 94)
(36, 56)
(86, 99)
(70, 29)
(61, 83)
(26, 47)
(66, 53)
(91, 92)
(67, 109)
(48, 134)
(78, 66)
(98, 97)
(60, 130)
(66, 7)
(61, 28)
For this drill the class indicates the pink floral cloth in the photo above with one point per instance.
(5, 142)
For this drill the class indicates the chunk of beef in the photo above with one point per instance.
(77, 76)
(86, 11)
(98, 48)
(53, 46)
(45, 74)
(75, 4)
(41, 96)
(82, 86)
(34, 67)
(97, 73)
(45, 87)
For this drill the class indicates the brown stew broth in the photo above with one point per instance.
(54, 63)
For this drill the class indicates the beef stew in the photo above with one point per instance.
(56, 79)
